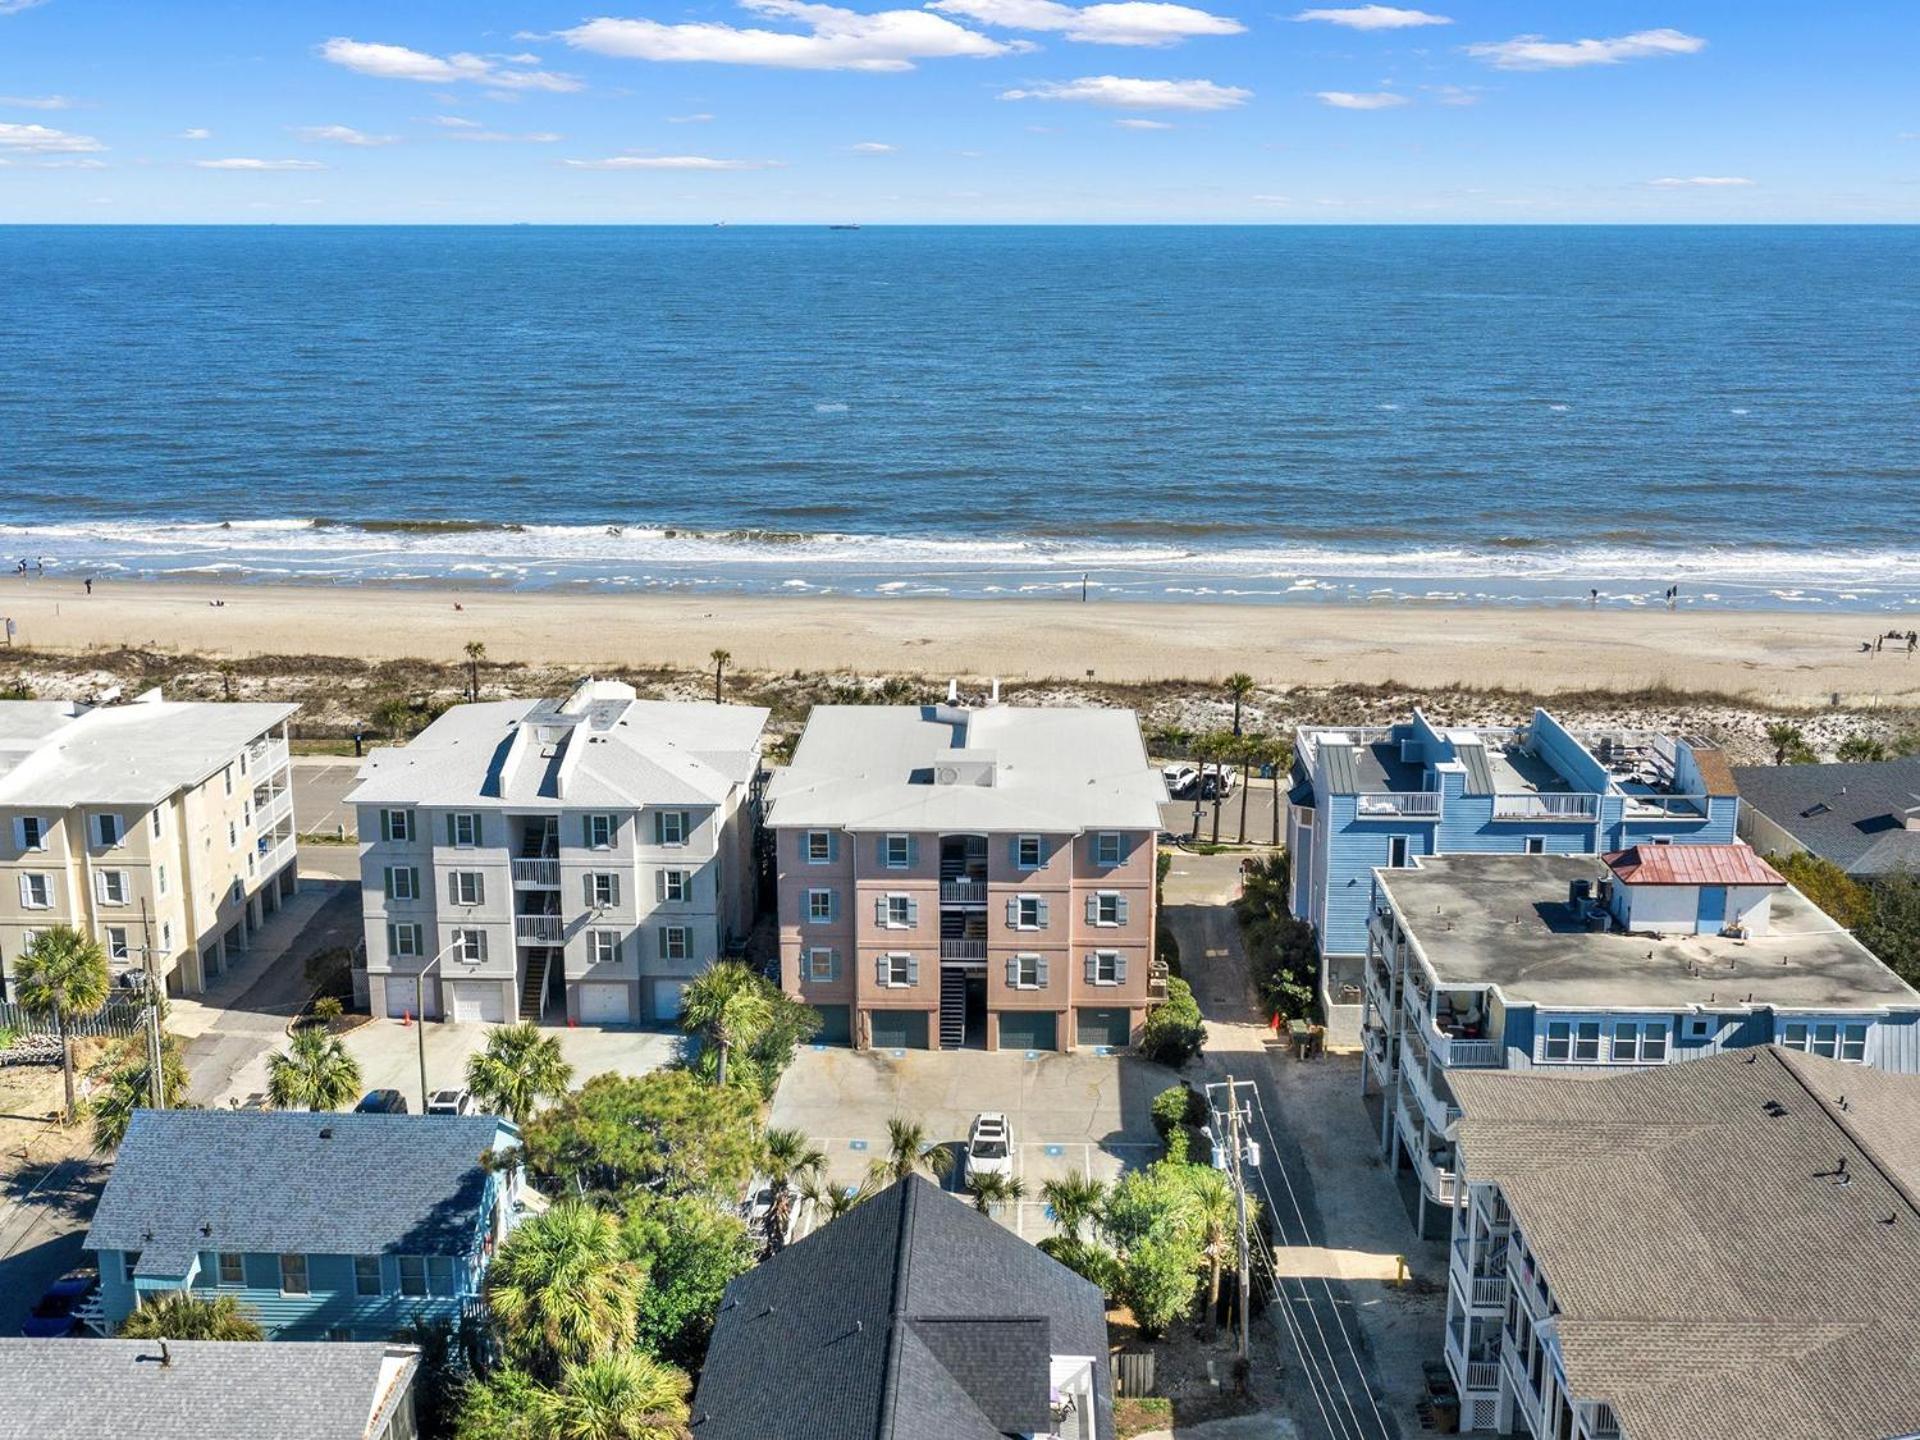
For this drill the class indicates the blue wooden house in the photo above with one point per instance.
(325, 1227)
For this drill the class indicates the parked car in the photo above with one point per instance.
(55, 1315)
(444, 1102)
(757, 1206)
(382, 1102)
(1180, 779)
(1220, 782)
(990, 1146)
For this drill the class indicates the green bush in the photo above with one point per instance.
(1087, 1260)
(1281, 951)
(327, 1009)
(1174, 1032)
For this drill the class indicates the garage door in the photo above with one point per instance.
(899, 1029)
(605, 1004)
(666, 1000)
(836, 1025)
(400, 1000)
(1029, 1030)
(1103, 1027)
(478, 1000)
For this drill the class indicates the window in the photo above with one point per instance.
(600, 830)
(403, 941)
(1626, 1042)
(1653, 1044)
(233, 1268)
(1853, 1042)
(819, 906)
(603, 889)
(896, 852)
(1586, 1041)
(670, 827)
(1396, 852)
(1639, 1042)
(166, 937)
(117, 943)
(470, 946)
(1701, 1027)
(603, 947)
(366, 1275)
(1027, 912)
(413, 1274)
(160, 879)
(227, 776)
(672, 886)
(676, 942)
(293, 1275)
(463, 829)
(823, 965)
(469, 887)
(819, 847)
(36, 892)
(1536, 844)
(233, 836)
(898, 970)
(237, 891)
(158, 821)
(1026, 972)
(403, 882)
(898, 912)
(1028, 853)
(396, 825)
(1826, 1040)
(107, 829)
(31, 832)
(246, 812)
(1106, 967)
(1108, 907)
(1559, 1040)
(440, 1274)
(1107, 848)
(113, 887)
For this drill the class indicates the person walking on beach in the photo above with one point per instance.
(89, 584)
(1593, 599)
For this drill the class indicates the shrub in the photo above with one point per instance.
(1281, 950)
(1174, 1032)
(1087, 1260)
(327, 1009)
(1177, 1111)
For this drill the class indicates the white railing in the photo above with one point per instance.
(963, 892)
(1483, 1375)
(277, 808)
(1546, 807)
(1438, 1180)
(537, 874)
(273, 856)
(1408, 804)
(265, 757)
(1375, 1044)
(1439, 1114)
(1685, 807)
(1459, 1054)
(540, 929)
(963, 949)
(1603, 1424)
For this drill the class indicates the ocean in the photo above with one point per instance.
(1474, 415)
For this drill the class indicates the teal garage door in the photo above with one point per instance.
(1103, 1027)
(1029, 1030)
(899, 1029)
(836, 1026)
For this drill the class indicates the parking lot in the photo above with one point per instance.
(320, 785)
(1176, 816)
(1070, 1114)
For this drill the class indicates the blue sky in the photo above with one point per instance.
(456, 111)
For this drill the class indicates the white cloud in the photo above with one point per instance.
(35, 102)
(873, 147)
(397, 62)
(1129, 94)
(1374, 17)
(457, 122)
(1453, 94)
(40, 140)
(700, 119)
(834, 39)
(1683, 182)
(1535, 52)
(75, 162)
(1347, 100)
(1127, 22)
(197, 133)
(671, 162)
(241, 162)
(343, 135)
(505, 137)
(14, 7)
(1134, 122)
(1272, 199)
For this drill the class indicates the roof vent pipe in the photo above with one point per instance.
(953, 692)
(996, 691)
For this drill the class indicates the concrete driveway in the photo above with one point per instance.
(1071, 1114)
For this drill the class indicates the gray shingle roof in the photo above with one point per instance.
(912, 1317)
(1849, 814)
(207, 1390)
(284, 1181)
(1713, 1276)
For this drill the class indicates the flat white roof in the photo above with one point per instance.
(133, 754)
(600, 747)
(912, 767)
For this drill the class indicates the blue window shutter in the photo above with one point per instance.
(1040, 972)
(880, 970)
(1120, 912)
(1120, 969)
(1013, 972)
(1126, 848)
(913, 850)
(662, 933)
(880, 851)
(1093, 968)
(833, 845)
(1013, 914)
(880, 911)
(913, 970)
(833, 965)
(1013, 851)
(588, 881)
(1093, 908)
(449, 827)
(1044, 908)
(913, 911)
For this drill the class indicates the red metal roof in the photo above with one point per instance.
(1692, 865)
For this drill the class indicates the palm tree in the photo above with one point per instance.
(727, 1006)
(721, 659)
(63, 973)
(476, 652)
(1253, 752)
(1239, 687)
(314, 1071)
(1860, 747)
(123, 1083)
(1206, 751)
(520, 1067)
(563, 1290)
(907, 1151)
(992, 1188)
(181, 1316)
(790, 1155)
(1075, 1200)
(623, 1396)
(1219, 1224)
(1282, 758)
(1785, 739)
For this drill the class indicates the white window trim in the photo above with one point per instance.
(905, 902)
(1020, 910)
(815, 954)
(806, 847)
(817, 919)
(1022, 962)
(28, 881)
(126, 887)
(901, 963)
(100, 832)
(905, 862)
(607, 940)
(1039, 851)
(1108, 960)
(1100, 899)
(685, 932)
(1099, 845)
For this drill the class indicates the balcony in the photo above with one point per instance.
(273, 853)
(536, 874)
(963, 949)
(1483, 1291)
(1552, 806)
(1373, 1041)
(1603, 1423)
(1439, 1113)
(266, 757)
(1459, 1054)
(1665, 807)
(1468, 1374)
(270, 812)
(539, 929)
(964, 892)
(1397, 805)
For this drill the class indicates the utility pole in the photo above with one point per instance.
(156, 1086)
(1234, 1147)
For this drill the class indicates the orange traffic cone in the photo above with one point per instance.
(406, 1018)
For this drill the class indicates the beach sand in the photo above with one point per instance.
(1774, 658)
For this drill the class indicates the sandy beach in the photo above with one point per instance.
(1771, 658)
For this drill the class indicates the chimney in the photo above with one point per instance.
(166, 1355)
(996, 692)
(953, 692)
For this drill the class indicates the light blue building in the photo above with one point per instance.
(1389, 795)
(325, 1227)
(1636, 959)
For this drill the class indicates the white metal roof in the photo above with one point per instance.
(942, 767)
(134, 754)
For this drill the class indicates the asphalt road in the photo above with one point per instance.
(1176, 816)
(320, 785)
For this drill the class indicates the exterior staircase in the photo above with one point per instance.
(953, 1009)
(533, 990)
